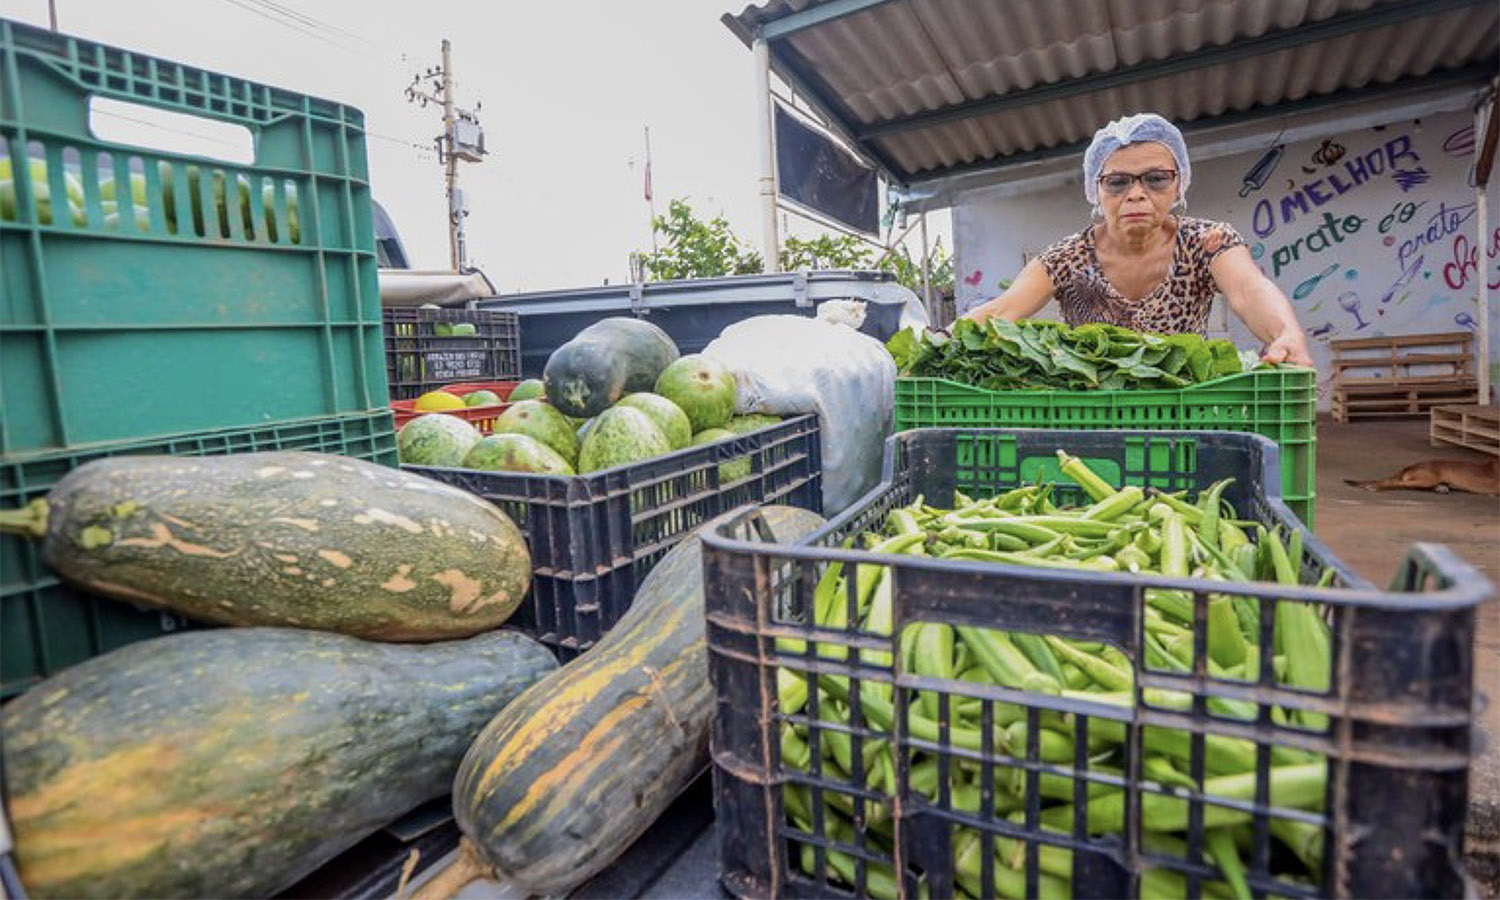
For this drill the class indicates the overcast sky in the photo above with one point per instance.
(566, 90)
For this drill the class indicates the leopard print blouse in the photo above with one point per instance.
(1179, 304)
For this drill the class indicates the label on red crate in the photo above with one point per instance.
(445, 365)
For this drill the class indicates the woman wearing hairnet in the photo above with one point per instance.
(1142, 264)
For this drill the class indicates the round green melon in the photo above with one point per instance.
(516, 453)
(435, 439)
(530, 389)
(751, 422)
(733, 470)
(702, 387)
(621, 435)
(540, 420)
(482, 398)
(667, 415)
(710, 435)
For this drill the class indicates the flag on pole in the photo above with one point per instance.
(648, 180)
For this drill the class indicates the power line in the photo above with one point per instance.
(259, 11)
(312, 27)
(423, 150)
(317, 23)
(333, 35)
(192, 134)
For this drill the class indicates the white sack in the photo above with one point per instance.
(786, 365)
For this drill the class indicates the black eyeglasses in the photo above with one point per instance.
(1156, 180)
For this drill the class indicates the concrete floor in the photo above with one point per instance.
(1370, 532)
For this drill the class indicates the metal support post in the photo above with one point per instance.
(770, 239)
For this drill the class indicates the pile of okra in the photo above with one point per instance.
(1121, 530)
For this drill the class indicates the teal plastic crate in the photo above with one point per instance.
(159, 310)
(46, 625)
(1280, 404)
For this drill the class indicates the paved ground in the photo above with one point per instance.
(1371, 531)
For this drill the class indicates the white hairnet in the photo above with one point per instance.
(1137, 129)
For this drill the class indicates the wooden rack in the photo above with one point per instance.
(1475, 427)
(1402, 376)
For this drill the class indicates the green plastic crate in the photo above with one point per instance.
(47, 626)
(1280, 404)
(177, 316)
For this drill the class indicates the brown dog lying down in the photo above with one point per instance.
(1441, 475)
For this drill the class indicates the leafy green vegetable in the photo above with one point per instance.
(1042, 355)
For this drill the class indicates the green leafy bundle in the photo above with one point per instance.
(1040, 355)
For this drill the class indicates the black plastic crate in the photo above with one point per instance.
(594, 537)
(1393, 758)
(421, 355)
(47, 625)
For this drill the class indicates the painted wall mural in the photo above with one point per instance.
(1371, 232)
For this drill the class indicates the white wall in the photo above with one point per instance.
(1370, 232)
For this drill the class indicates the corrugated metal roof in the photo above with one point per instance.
(930, 88)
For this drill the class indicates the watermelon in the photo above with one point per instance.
(733, 470)
(516, 453)
(435, 440)
(621, 435)
(667, 415)
(482, 398)
(530, 389)
(604, 362)
(540, 420)
(751, 422)
(702, 387)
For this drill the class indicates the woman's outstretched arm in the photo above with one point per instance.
(1027, 294)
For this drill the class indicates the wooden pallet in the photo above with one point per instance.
(1402, 376)
(1398, 403)
(1474, 427)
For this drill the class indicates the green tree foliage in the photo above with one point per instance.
(826, 252)
(697, 249)
(908, 269)
(693, 248)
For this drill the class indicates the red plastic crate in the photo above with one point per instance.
(481, 417)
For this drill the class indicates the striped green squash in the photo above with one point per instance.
(233, 762)
(288, 538)
(564, 779)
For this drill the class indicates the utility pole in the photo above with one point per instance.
(454, 228)
(462, 139)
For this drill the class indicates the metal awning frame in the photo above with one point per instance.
(937, 190)
(1313, 117)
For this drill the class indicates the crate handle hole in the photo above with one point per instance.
(157, 129)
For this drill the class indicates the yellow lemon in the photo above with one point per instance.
(438, 401)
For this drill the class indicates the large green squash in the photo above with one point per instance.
(286, 538)
(604, 362)
(564, 779)
(233, 762)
